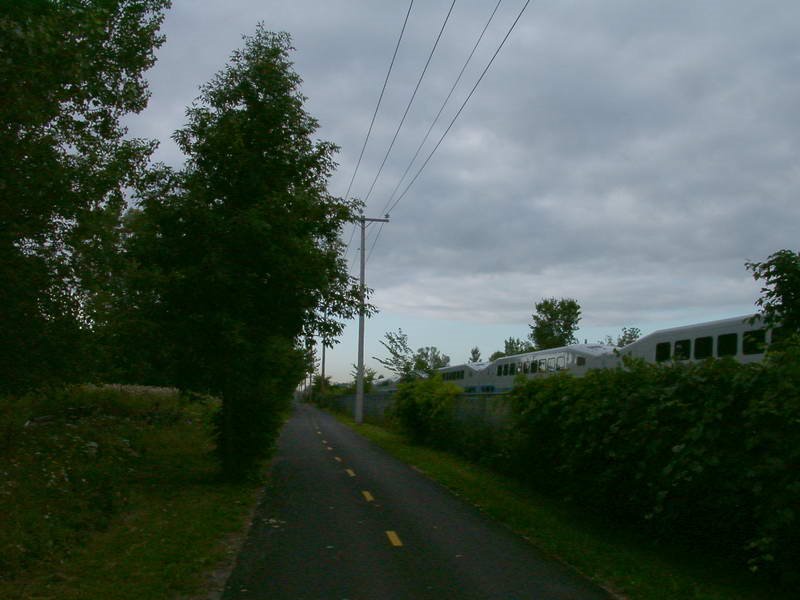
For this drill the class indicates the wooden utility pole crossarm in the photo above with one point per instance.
(359, 408)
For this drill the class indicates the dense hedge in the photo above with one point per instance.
(424, 410)
(706, 452)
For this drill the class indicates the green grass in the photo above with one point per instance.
(112, 493)
(623, 562)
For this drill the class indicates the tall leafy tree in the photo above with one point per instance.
(429, 358)
(70, 70)
(554, 323)
(628, 335)
(400, 359)
(242, 249)
(512, 346)
(780, 294)
(475, 355)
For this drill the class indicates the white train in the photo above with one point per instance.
(735, 337)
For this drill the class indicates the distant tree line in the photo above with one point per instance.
(209, 277)
(555, 321)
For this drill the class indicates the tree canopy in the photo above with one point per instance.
(474, 355)
(428, 359)
(512, 346)
(554, 323)
(779, 302)
(70, 71)
(405, 363)
(239, 254)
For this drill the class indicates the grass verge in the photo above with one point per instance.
(112, 493)
(623, 562)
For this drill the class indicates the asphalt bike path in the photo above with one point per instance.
(341, 519)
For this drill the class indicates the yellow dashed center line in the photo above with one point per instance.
(394, 539)
(350, 472)
(367, 496)
(337, 459)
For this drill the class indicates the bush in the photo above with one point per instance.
(424, 410)
(706, 452)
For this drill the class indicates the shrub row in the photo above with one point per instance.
(707, 452)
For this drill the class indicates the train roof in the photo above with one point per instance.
(671, 331)
(581, 349)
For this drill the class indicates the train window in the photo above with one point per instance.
(505, 369)
(753, 342)
(683, 349)
(542, 364)
(551, 364)
(499, 369)
(525, 367)
(703, 347)
(512, 369)
(727, 344)
(663, 352)
(560, 362)
(580, 361)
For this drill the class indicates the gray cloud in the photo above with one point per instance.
(632, 155)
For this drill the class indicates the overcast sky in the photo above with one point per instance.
(631, 155)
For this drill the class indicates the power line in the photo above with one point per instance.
(411, 101)
(427, 160)
(444, 104)
(380, 98)
(375, 241)
(372, 122)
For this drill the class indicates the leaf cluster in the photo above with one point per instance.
(424, 409)
(780, 295)
(554, 323)
(703, 452)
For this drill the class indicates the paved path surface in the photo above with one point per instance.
(343, 520)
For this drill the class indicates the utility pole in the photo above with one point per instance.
(322, 374)
(359, 410)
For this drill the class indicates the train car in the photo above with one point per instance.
(744, 339)
(499, 375)
(470, 376)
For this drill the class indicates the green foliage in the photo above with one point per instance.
(369, 378)
(780, 296)
(424, 409)
(400, 360)
(474, 355)
(407, 364)
(698, 451)
(554, 323)
(628, 335)
(71, 458)
(512, 346)
(238, 257)
(70, 71)
(428, 359)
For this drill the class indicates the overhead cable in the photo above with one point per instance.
(427, 160)
(411, 101)
(380, 98)
(374, 115)
(444, 104)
